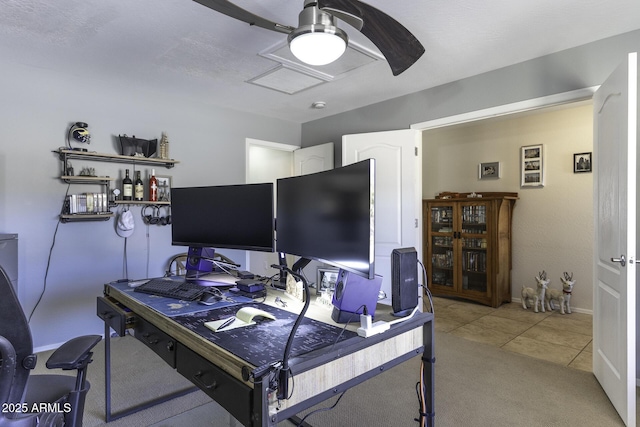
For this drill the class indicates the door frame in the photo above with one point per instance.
(252, 142)
(507, 109)
(512, 108)
(249, 142)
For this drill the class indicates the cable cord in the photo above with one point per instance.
(329, 408)
(53, 243)
(148, 247)
(426, 288)
(421, 399)
(125, 265)
(351, 318)
(296, 324)
(420, 386)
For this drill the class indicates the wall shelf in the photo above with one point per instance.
(141, 202)
(105, 181)
(83, 179)
(66, 154)
(86, 217)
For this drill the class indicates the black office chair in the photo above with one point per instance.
(38, 400)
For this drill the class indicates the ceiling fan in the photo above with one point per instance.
(317, 24)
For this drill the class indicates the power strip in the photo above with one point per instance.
(368, 329)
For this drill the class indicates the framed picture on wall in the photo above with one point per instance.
(489, 170)
(581, 162)
(326, 280)
(164, 188)
(531, 166)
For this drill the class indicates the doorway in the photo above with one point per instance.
(453, 150)
(558, 204)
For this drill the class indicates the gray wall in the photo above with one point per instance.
(37, 107)
(39, 104)
(572, 69)
(581, 67)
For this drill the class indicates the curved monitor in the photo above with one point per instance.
(225, 216)
(329, 216)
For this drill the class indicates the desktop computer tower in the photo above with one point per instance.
(404, 280)
(352, 293)
(197, 262)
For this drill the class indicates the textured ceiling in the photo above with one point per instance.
(185, 49)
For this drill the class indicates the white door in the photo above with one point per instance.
(266, 162)
(398, 216)
(313, 159)
(614, 299)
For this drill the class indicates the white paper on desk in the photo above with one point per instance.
(218, 279)
(244, 317)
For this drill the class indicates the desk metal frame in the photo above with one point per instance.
(108, 414)
(220, 373)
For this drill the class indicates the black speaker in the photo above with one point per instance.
(197, 262)
(404, 280)
(351, 294)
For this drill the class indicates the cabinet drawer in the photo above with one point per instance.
(162, 344)
(114, 314)
(229, 392)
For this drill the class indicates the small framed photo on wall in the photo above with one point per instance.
(489, 170)
(532, 166)
(581, 162)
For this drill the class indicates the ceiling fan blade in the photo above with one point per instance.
(227, 8)
(400, 48)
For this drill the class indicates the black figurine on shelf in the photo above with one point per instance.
(78, 133)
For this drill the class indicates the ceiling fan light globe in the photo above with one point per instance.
(317, 47)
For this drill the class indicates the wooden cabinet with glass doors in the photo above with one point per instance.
(467, 246)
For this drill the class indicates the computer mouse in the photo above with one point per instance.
(209, 299)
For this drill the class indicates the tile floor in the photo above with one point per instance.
(564, 339)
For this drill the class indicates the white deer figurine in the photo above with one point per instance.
(537, 296)
(561, 297)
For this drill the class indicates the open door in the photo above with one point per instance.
(615, 257)
(398, 192)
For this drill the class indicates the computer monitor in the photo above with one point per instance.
(329, 216)
(225, 216)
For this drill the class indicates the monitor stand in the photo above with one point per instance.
(282, 261)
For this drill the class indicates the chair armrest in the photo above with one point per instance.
(74, 353)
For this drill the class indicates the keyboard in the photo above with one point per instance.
(172, 289)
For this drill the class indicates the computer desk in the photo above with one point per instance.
(243, 389)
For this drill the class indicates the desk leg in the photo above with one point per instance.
(108, 415)
(107, 372)
(260, 408)
(428, 373)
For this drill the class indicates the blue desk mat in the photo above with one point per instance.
(265, 341)
(173, 307)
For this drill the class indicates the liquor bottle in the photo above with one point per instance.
(153, 187)
(127, 187)
(138, 190)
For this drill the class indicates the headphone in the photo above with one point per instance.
(156, 218)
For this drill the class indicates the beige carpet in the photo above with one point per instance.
(476, 385)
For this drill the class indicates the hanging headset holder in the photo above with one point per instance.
(156, 214)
